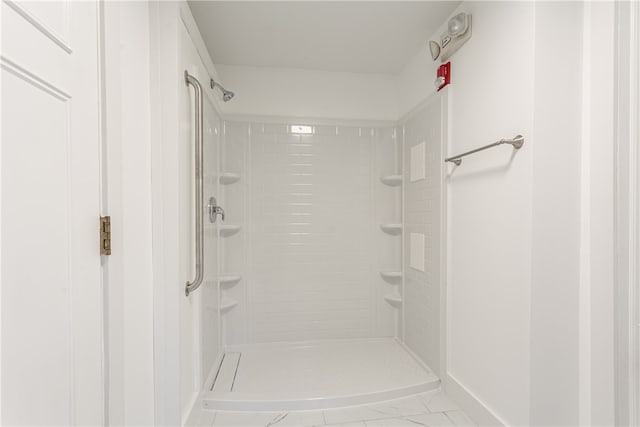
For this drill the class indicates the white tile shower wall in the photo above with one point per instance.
(314, 246)
(422, 215)
(388, 201)
(233, 252)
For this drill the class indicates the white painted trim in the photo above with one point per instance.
(164, 129)
(444, 200)
(627, 213)
(471, 404)
(312, 121)
(104, 207)
(33, 79)
(38, 25)
(584, 284)
(403, 217)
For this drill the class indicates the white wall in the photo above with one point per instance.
(556, 216)
(529, 235)
(127, 102)
(572, 311)
(489, 206)
(288, 92)
(422, 211)
(599, 309)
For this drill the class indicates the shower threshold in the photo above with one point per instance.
(315, 375)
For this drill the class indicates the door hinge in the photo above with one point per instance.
(105, 235)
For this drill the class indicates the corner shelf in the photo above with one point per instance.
(228, 229)
(391, 228)
(227, 178)
(227, 304)
(391, 275)
(229, 279)
(394, 299)
(392, 180)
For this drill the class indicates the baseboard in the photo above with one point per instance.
(470, 404)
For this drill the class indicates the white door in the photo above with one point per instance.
(51, 327)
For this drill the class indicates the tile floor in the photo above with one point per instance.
(429, 409)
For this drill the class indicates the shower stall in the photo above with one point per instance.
(311, 264)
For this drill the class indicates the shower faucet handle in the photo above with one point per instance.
(214, 210)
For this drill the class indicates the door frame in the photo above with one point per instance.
(627, 213)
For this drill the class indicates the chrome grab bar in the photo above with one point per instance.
(517, 142)
(192, 286)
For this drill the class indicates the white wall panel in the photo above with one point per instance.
(423, 220)
(234, 253)
(489, 203)
(313, 232)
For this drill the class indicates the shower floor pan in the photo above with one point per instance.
(315, 375)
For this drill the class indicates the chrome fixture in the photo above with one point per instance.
(227, 95)
(214, 210)
(199, 240)
(517, 142)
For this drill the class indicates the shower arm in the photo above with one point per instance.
(199, 241)
(227, 95)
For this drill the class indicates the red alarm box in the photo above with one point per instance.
(443, 77)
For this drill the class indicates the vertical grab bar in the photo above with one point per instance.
(192, 286)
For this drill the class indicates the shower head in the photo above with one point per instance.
(227, 95)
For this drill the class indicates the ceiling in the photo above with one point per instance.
(355, 36)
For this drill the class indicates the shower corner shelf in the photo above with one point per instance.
(227, 178)
(227, 304)
(394, 299)
(229, 279)
(391, 228)
(392, 180)
(229, 230)
(391, 275)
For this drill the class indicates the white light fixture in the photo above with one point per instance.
(301, 129)
(457, 34)
(458, 25)
(434, 47)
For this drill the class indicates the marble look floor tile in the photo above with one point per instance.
(459, 418)
(439, 419)
(247, 419)
(302, 418)
(268, 419)
(430, 409)
(391, 422)
(438, 402)
(352, 414)
(401, 407)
